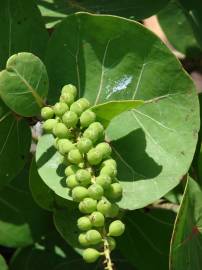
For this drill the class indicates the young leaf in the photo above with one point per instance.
(24, 84)
(105, 112)
(185, 251)
(3, 265)
(136, 9)
(19, 215)
(15, 140)
(21, 29)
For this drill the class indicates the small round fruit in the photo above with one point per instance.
(91, 134)
(87, 118)
(69, 88)
(60, 108)
(70, 119)
(71, 181)
(95, 191)
(75, 156)
(64, 146)
(97, 219)
(112, 243)
(90, 255)
(105, 149)
(47, 113)
(94, 157)
(67, 98)
(99, 127)
(82, 240)
(84, 145)
(83, 177)
(114, 191)
(110, 162)
(55, 143)
(61, 131)
(79, 193)
(84, 223)
(108, 170)
(49, 125)
(104, 181)
(76, 108)
(116, 228)
(88, 205)
(71, 169)
(85, 104)
(93, 237)
(113, 211)
(103, 206)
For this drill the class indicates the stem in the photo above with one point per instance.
(106, 253)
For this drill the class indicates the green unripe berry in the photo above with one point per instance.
(83, 177)
(91, 134)
(113, 211)
(116, 228)
(97, 219)
(104, 181)
(94, 157)
(61, 131)
(97, 126)
(69, 88)
(70, 119)
(56, 143)
(47, 113)
(108, 170)
(114, 191)
(64, 146)
(84, 145)
(79, 193)
(71, 181)
(84, 224)
(71, 169)
(90, 255)
(49, 125)
(112, 243)
(93, 237)
(95, 191)
(75, 156)
(82, 240)
(84, 103)
(87, 118)
(88, 205)
(67, 98)
(60, 108)
(105, 149)
(103, 206)
(110, 162)
(76, 108)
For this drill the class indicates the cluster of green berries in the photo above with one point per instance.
(91, 172)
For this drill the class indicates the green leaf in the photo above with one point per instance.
(105, 112)
(50, 166)
(66, 223)
(42, 194)
(24, 84)
(185, 252)
(53, 12)
(21, 220)
(3, 265)
(143, 240)
(21, 29)
(154, 143)
(178, 30)
(15, 140)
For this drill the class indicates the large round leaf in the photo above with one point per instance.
(53, 12)
(21, 29)
(21, 221)
(24, 84)
(111, 58)
(15, 140)
(185, 252)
